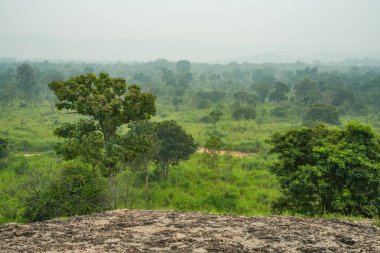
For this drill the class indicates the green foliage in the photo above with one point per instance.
(186, 92)
(183, 66)
(280, 111)
(262, 89)
(243, 97)
(25, 81)
(279, 94)
(175, 145)
(324, 170)
(110, 105)
(213, 146)
(3, 147)
(307, 91)
(203, 99)
(322, 113)
(168, 77)
(222, 202)
(107, 100)
(244, 113)
(82, 140)
(215, 116)
(74, 192)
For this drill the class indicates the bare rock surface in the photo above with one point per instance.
(169, 231)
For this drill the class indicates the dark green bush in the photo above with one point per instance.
(323, 170)
(76, 191)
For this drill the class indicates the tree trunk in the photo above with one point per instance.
(146, 177)
(112, 184)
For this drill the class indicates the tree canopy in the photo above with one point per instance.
(109, 103)
(175, 145)
(322, 113)
(329, 170)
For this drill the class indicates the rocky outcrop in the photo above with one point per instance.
(169, 231)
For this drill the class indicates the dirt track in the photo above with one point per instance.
(231, 153)
(168, 231)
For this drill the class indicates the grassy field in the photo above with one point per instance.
(240, 186)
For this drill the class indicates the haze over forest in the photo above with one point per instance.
(198, 30)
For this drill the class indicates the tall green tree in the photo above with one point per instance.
(109, 104)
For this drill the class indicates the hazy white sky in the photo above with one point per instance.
(201, 29)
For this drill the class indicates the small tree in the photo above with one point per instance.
(212, 151)
(322, 113)
(249, 113)
(174, 145)
(246, 113)
(215, 116)
(237, 113)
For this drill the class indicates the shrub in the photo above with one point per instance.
(322, 113)
(76, 191)
(323, 170)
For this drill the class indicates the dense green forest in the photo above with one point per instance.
(77, 138)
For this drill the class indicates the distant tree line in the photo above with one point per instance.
(292, 88)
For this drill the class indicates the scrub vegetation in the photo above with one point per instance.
(79, 138)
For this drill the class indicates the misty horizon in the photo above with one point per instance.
(201, 31)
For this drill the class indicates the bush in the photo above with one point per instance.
(322, 113)
(324, 170)
(76, 191)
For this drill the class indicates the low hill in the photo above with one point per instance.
(155, 231)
